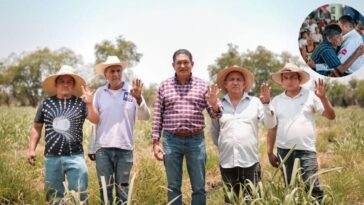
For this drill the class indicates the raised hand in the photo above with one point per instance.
(211, 95)
(320, 88)
(87, 94)
(136, 91)
(265, 93)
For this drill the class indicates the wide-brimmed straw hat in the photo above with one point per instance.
(248, 76)
(290, 68)
(110, 61)
(49, 84)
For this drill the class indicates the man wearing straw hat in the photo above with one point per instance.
(295, 109)
(236, 132)
(116, 107)
(63, 114)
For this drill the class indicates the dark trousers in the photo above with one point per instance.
(235, 178)
(308, 161)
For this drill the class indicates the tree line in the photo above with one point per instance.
(21, 74)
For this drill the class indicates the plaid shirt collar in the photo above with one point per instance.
(176, 81)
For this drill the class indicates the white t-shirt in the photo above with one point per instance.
(296, 120)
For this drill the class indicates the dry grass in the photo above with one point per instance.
(340, 144)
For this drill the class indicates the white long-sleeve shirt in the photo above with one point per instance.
(236, 132)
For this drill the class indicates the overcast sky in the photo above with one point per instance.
(158, 28)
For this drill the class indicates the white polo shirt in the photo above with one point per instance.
(236, 132)
(296, 119)
(352, 41)
(118, 111)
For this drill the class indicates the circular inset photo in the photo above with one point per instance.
(331, 40)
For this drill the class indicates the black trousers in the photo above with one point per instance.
(236, 177)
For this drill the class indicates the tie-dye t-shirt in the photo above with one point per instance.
(63, 119)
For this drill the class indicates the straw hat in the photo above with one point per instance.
(248, 76)
(290, 68)
(49, 84)
(110, 61)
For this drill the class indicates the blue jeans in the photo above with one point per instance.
(193, 148)
(115, 165)
(57, 168)
(308, 161)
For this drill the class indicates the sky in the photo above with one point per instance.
(158, 28)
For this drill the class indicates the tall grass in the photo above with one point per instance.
(340, 144)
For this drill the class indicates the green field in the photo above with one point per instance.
(340, 143)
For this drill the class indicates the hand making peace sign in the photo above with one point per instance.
(87, 94)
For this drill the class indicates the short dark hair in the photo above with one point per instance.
(332, 30)
(348, 20)
(182, 51)
(73, 79)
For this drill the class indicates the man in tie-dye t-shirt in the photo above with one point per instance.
(63, 114)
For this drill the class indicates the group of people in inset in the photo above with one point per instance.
(177, 128)
(333, 48)
(310, 36)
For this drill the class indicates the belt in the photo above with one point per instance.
(187, 133)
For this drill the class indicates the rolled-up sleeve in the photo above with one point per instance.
(215, 115)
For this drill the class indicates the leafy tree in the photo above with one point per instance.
(26, 71)
(229, 58)
(4, 85)
(337, 94)
(352, 91)
(123, 49)
(149, 94)
(359, 93)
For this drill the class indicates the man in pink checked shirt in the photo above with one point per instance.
(178, 112)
